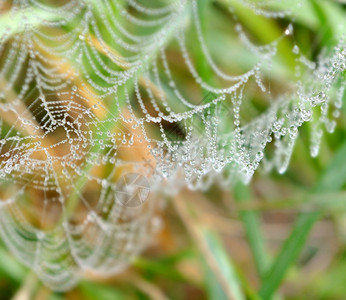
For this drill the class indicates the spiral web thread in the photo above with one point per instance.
(89, 91)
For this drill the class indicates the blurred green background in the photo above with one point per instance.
(280, 237)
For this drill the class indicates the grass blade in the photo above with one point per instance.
(213, 252)
(253, 231)
(224, 265)
(288, 254)
(332, 180)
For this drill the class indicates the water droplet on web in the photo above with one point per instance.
(259, 155)
(336, 113)
(289, 29)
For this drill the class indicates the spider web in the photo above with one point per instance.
(93, 90)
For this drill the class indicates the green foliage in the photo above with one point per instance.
(305, 205)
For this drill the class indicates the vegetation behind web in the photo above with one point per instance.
(280, 237)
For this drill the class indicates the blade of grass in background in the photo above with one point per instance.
(10, 268)
(91, 291)
(331, 180)
(225, 267)
(289, 253)
(253, 231)
(224, 282)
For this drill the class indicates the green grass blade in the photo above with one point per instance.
(91, 291)
(222, 275)
(331, 180)
(10, 268)
(251, 222)
(224, 266)
(289, 253)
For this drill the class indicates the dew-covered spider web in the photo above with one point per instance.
(100, 100)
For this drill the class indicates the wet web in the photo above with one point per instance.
(92, 91)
